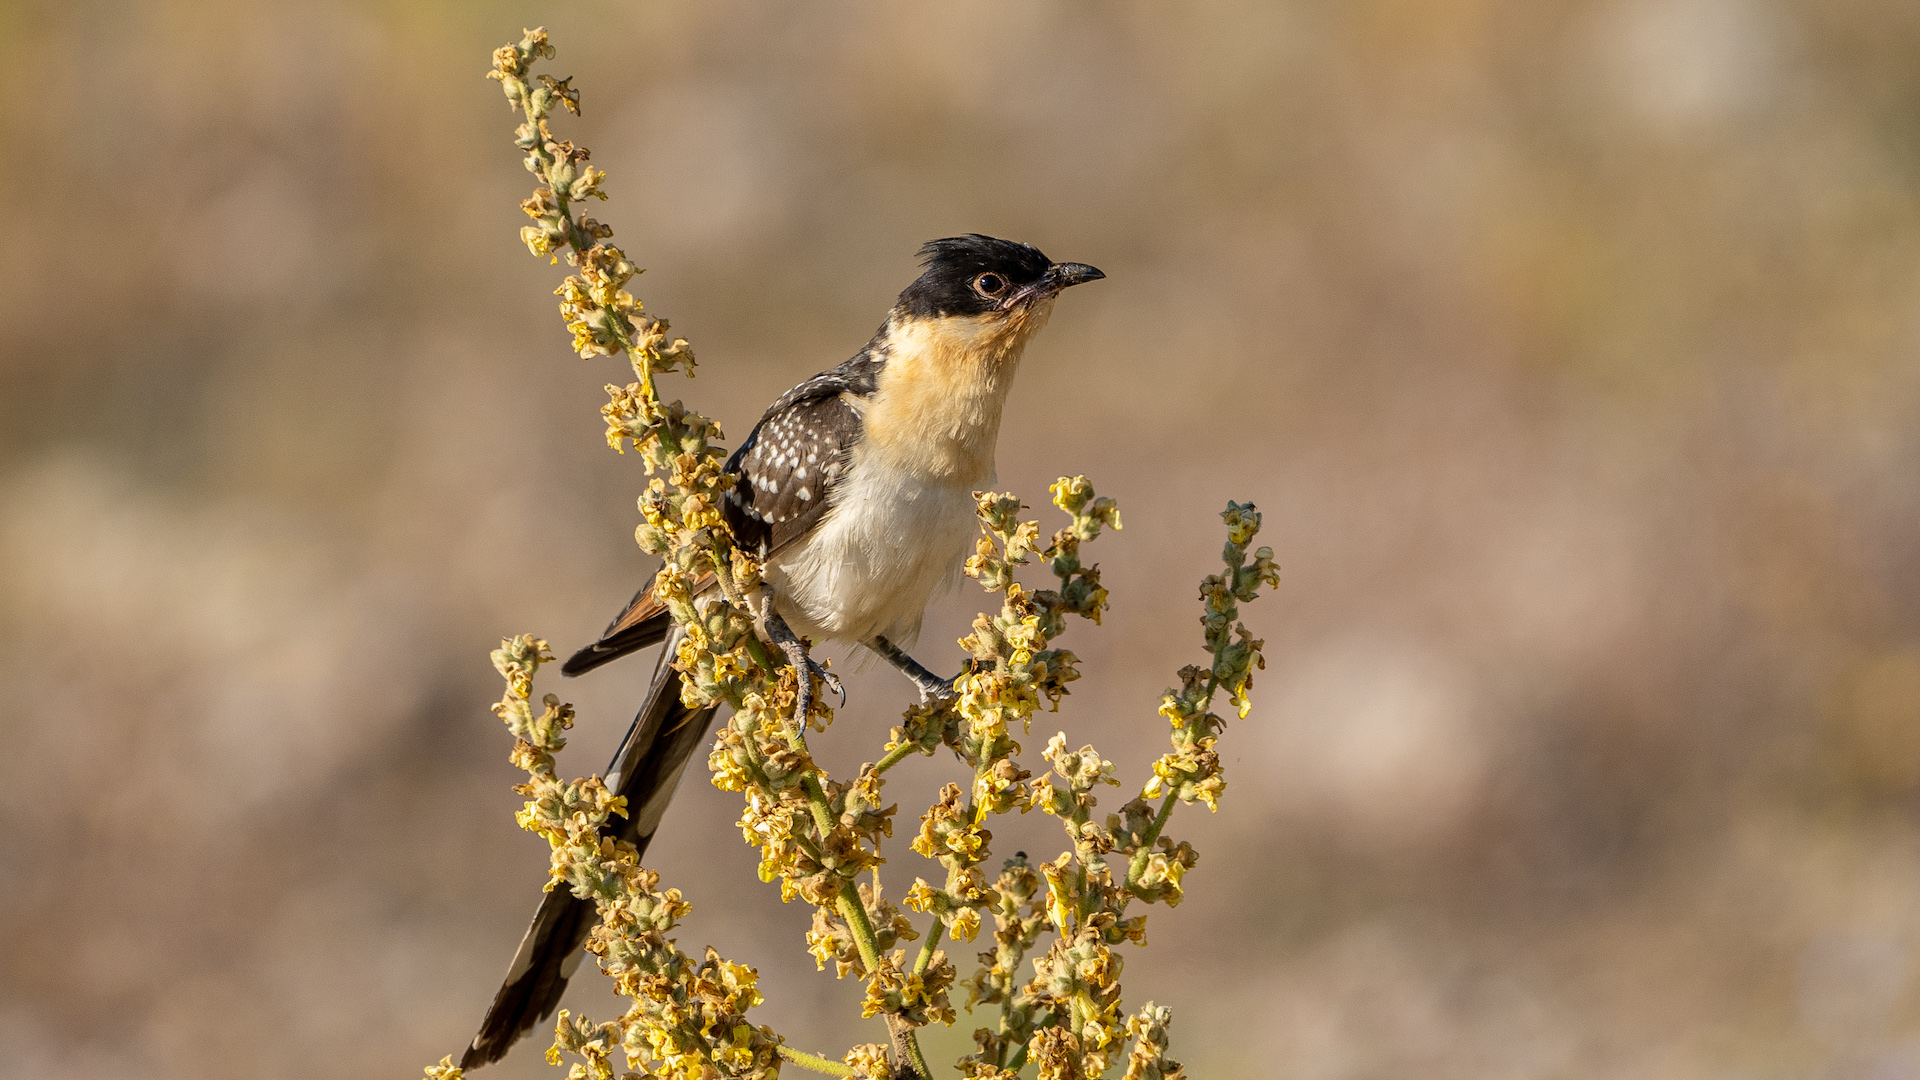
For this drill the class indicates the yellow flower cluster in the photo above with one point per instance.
(1067, 1018)
(1149, 1061)
(687, 1019)
(869, 1062)
(821, 839)
(1192, 771)
(604, 318)
(815, 836)
(1018, 906)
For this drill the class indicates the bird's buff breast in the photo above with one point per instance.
(902, 521)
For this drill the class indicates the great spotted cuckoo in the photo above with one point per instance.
(856, 490)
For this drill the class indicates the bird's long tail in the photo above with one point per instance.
(646, 769)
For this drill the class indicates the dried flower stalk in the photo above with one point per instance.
(821, 838)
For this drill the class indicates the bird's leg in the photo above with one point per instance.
(932, 687)
(783, 638)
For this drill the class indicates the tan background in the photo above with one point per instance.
(1569, 348)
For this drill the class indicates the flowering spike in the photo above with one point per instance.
(819, 838)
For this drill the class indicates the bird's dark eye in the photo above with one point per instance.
(989, 284)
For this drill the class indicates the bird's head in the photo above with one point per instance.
(948, 350)
(988, 281)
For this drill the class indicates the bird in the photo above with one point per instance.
(856, 490)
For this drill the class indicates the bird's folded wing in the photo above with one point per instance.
(788, 468)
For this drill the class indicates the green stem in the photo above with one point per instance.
(894, 757)
(906, 1038)
(812, 849)
(922, 961)
(760, 657)
(815, 1062)
(722, 563)
(817, 802)
(869, 947)
(1138, 865)
(855, 914)
(851, 909)
(1009, 995)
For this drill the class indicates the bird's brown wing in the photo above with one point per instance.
(789, 469)
(643, 622)
(791, 466)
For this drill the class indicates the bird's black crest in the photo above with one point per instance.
(952, 265)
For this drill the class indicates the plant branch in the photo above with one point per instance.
(1138, 864)
(815, 1062)
(894, 757)
(817, 836)
(928, 946)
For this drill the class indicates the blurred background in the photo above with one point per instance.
(1572, 351)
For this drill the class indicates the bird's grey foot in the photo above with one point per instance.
(932, 687)
(795, 650)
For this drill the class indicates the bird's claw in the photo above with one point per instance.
(790, 644)
(827, 678)
(810, 669)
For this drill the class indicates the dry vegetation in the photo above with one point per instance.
(822, 838)
(1582, 343)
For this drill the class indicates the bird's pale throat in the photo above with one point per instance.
(936, 410)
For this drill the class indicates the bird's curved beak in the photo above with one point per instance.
(1057, 277)
(1061, 275)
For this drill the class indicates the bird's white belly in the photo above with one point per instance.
(890, 541)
